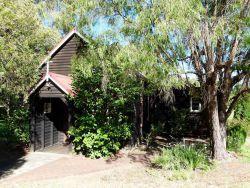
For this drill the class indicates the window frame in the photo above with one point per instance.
(47, 107)
(191, 106)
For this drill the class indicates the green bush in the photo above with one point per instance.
(242, 110)
(236, 137)
(244, 123)
(96, 140)
(15, 128)
(181, 157)
(5, 132)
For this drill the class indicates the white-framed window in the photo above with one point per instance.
(47, 107)
(195, 105)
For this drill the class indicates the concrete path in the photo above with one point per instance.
(32, 161)
(60, 166)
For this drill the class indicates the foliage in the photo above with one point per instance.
(239, 122)
(99, 140)
(239, 126)
(181, 157)
(136, 60)
(15, 129)
(242, 110)
(236, 137)
(102, 123)
(23, 43)
(178, 122)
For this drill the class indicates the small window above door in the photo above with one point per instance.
(47, 108)
(195, 105)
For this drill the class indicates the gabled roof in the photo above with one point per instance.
(62, 43)
(61, 81)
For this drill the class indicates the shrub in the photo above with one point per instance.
(242, 114)
(236, 137)
(242, 110)
(181, 157)
(5, 132)
(15, 128)
(244, 123)
(97, 140)
(102, 123)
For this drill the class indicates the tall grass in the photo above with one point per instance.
(182, 157)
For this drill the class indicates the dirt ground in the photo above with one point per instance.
(230, 174)
(129, 169)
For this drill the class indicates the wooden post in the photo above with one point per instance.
(141, 111)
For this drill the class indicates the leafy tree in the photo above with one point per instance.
(23, 42)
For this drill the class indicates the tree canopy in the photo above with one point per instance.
(24, 41)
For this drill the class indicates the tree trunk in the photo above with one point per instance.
(219, 151)
(218, 127)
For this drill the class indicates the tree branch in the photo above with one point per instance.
(197, 64)
(166, 54)
(218, 53)
(236, 79)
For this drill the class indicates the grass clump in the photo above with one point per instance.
(181, 157)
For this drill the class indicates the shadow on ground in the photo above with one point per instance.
(146, 152)
(11, 158)
(143, 154)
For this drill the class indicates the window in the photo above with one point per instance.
(195, 105)
(47, 108)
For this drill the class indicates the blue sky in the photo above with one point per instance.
(99, 28)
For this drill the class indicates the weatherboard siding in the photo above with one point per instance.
(51, 92)
(38, 132)
(61, 62)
